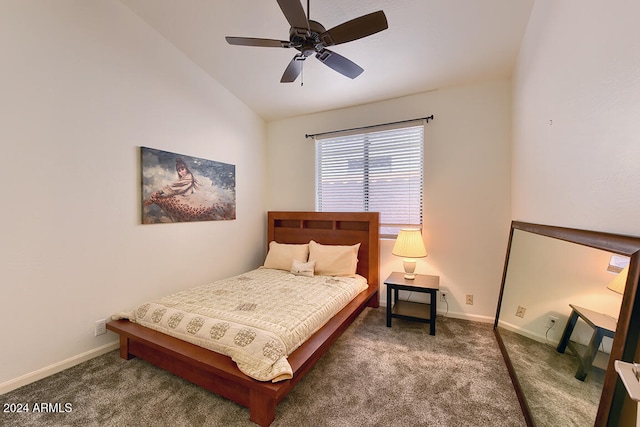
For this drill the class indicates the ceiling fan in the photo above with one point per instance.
(310, 37)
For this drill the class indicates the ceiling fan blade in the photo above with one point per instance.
(355, 29)
(339, 63)
(249, 41)
(293, 11)
(293, 70)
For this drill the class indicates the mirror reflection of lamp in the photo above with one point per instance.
(409, 245)
(618, 282)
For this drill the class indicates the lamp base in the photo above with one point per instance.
(409, 267)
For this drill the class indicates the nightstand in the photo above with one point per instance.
(407, 310)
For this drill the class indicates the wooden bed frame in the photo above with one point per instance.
(218, 373)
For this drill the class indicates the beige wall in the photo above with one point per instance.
(83, 85)
(576, 108)
(466, 207)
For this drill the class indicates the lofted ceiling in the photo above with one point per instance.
(429, 44)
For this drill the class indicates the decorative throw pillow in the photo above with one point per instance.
(334, 260)
(303, 268)
(281, 255)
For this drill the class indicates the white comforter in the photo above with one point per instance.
(257, 318)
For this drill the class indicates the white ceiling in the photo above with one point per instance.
(429, 44)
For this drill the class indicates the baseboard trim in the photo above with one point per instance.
(543, 339)
(467, 316)
(34, 376)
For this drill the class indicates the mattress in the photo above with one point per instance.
(257, 318)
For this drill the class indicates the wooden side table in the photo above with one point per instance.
(603, 326)
(407, 310)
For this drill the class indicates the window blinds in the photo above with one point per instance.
(377, 171)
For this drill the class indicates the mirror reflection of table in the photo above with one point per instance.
(603, 326)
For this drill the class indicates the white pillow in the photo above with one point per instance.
(281, 255)
(303, 268)
(334, 260)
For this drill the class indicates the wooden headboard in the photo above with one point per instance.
(332, 228)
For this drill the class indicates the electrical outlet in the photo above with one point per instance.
(520, 311)
(469, 299)
(101, 327)
(443, 296)
(552, 321)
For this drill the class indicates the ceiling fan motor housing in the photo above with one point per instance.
(308, 42)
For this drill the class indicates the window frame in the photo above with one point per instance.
(387, 229)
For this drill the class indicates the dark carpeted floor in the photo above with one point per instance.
(372, 376)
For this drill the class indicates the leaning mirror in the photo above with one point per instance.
(564, 313)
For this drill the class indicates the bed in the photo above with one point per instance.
(217, 372)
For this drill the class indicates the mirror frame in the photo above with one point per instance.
(627, 333)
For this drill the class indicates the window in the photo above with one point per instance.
(376, 171)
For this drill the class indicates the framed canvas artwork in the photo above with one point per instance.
(180, 188)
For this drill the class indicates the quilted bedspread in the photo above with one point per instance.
(257, 318)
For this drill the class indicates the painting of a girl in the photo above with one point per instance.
(179, 188)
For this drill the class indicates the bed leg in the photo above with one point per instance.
(262, 408)
(124, 348)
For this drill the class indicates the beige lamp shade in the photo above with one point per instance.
(409, 245)
(618, 282)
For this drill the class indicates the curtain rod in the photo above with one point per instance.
(313, 135)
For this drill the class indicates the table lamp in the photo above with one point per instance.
(409, 245)
(618, 282)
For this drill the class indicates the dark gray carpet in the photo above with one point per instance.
(372, 376)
